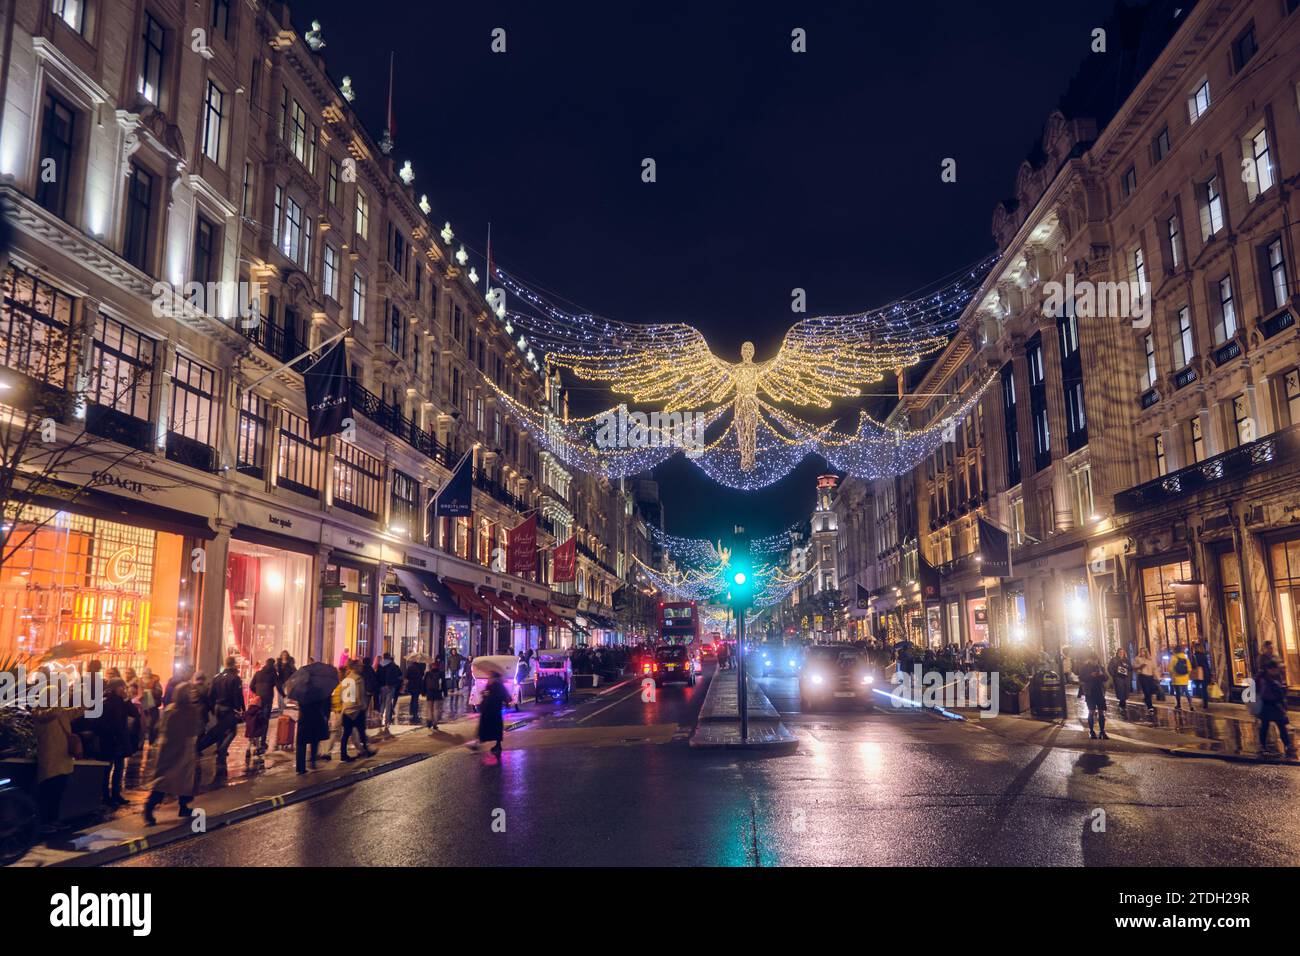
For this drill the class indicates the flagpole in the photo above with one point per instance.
(294, 361)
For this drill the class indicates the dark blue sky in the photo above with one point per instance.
(776, 170)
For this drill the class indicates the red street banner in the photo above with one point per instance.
(566, 561)
(521, 550)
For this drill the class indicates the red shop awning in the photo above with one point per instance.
(503, 605)
(464, 594)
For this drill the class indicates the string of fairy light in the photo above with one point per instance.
(741, 436)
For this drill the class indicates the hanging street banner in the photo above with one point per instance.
(995, 551)
(928, 579)
(521, 550)
(566, 561)
(329, 393)
(456, 498)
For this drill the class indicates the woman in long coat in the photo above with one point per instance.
(182, 722)
(491, 726)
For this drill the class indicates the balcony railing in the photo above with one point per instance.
(107, 422)
(277, 341)
(187, 451)
(1149, 398)
(1277, 323)
(1234, 465)
(1185, 377)
(1226, 352)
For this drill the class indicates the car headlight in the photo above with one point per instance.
(817, 678)
(792, 663)
(868, 679)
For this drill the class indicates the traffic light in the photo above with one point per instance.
(740, 574)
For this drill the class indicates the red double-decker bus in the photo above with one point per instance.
(679, 623)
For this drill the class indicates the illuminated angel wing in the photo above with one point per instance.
(669, 366)
(832, 357)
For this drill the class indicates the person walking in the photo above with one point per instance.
(491, 725)
(284, 668)
(1120, 677)
(1092, 688)
(1201, 674)
(433, 696)
(452, 671)
(1146, 675)
(1272, 707)
(226, 698)
(415, 686)
(264, 684)
(174, 773)
(390, 679)
(354, 712)
(1180, 676)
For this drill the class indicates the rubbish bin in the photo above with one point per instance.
(1045, 694)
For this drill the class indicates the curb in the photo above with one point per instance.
(183, 831)
(1197, 753)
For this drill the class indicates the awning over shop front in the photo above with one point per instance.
(504, 606)
(427, 591)
(526, 611)
(601, 621)
(466, 598)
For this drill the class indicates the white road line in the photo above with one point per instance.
(583, 720)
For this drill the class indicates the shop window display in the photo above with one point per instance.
(69, 577)
(267, 595)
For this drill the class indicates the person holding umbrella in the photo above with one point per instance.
(312, 686)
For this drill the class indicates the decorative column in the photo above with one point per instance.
(210, 653)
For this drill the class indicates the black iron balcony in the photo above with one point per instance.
(1277, 323)
(277, 341)
(1226, 352)
(1149, 398)
(107, 422)
(1185, 377)
(1235, 465)
(187, 451)
(391, 419)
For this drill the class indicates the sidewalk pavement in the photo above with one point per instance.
(719, 721)
(1225, 732)
(245, 791)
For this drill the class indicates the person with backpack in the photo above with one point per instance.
(1120, 676)
(1180, 676)
(226, 700)
(1272, 707)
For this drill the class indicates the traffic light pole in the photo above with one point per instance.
(741, 696)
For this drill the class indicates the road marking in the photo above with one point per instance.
(635, 691)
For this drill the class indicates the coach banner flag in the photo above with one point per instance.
(521, 550)
(566, 561)
(329, 393)
(456, 498)
(995, 551)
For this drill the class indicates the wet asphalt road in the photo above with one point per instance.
(613, 782)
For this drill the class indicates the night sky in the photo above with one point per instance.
(776, 170)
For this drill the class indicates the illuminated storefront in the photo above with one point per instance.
(267, 603)
(348, 612)
(1284, 558)
(131, 589)
(1169, 622)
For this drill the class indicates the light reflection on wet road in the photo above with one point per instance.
(622, 787)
